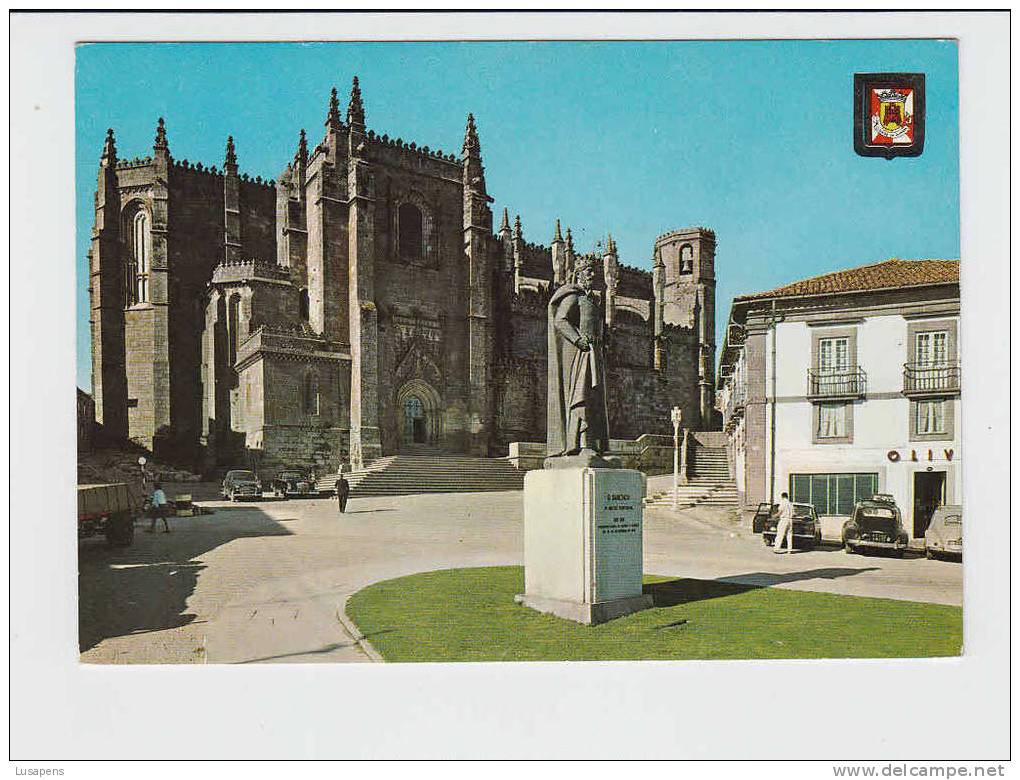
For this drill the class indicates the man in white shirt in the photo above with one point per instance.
(784, 529)
(159, 508)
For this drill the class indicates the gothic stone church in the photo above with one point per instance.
(361, 305)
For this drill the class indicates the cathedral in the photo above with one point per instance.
(362, 305)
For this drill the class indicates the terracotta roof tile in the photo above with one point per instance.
(877, 276)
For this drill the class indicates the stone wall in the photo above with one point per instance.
(536, 261)
(635, 283)
(301, 447)
(641, 399)
(138, 341)
(258, 219)
(421, 299)
(304, 392)
(630, 342)
(86, 417)
(194, 246)
(294, 404)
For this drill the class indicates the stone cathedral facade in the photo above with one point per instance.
(361, 305)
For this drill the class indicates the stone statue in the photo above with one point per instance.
(578, 421)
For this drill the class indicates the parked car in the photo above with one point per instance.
(293, 484)
(241, 484)
(761, 514)
(807, 531)
(945, 532)
(876, 524)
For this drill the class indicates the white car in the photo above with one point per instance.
(944, 536)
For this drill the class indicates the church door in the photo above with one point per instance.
(419, 416)
(415, 431)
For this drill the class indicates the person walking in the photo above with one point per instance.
(160, 508)
(343, 489)
(784, 529)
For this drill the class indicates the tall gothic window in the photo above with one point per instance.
(138, 253)
(233, 324)
(141, 254)
(410, 232)
(313, 398)
(303, 307)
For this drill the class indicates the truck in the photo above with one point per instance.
(109, 509)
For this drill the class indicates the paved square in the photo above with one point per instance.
(266, 581)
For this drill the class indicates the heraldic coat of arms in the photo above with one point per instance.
(889, 114)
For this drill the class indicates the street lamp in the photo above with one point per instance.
(677, 417)
(142, 460)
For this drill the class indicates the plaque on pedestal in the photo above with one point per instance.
(582, 543)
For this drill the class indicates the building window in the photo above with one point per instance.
(930, 417)
(233, 324)
(931, 349)
(312, 395)
(410, 231)
(139, 261)
(832, 494)
(833, 355)
(303, 307)
(831, 421)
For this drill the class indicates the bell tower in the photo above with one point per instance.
(684, 262)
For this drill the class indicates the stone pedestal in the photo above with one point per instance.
(582, 543)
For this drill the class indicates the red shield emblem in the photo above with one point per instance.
(892, 116)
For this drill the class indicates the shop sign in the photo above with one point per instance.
(924, 455)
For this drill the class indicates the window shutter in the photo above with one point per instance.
(825, 355)
(940, 348)
(922, 353)
(842, 355)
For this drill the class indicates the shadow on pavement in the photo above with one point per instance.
(319, 651)
(684, 591)
(145, 587)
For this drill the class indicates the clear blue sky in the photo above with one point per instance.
(752, 139)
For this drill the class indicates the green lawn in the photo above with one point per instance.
(470, 615)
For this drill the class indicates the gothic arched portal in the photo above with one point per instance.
(419, 415)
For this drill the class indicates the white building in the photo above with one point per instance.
(845, 385)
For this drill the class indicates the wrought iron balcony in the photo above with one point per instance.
(849, 383)
(931, 378)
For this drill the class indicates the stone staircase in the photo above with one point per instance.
(709, 483)
(398, 475)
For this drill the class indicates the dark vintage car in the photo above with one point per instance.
(807, 531)
(238, 484)
(761, 514)
(293, 484)
(876, 524)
